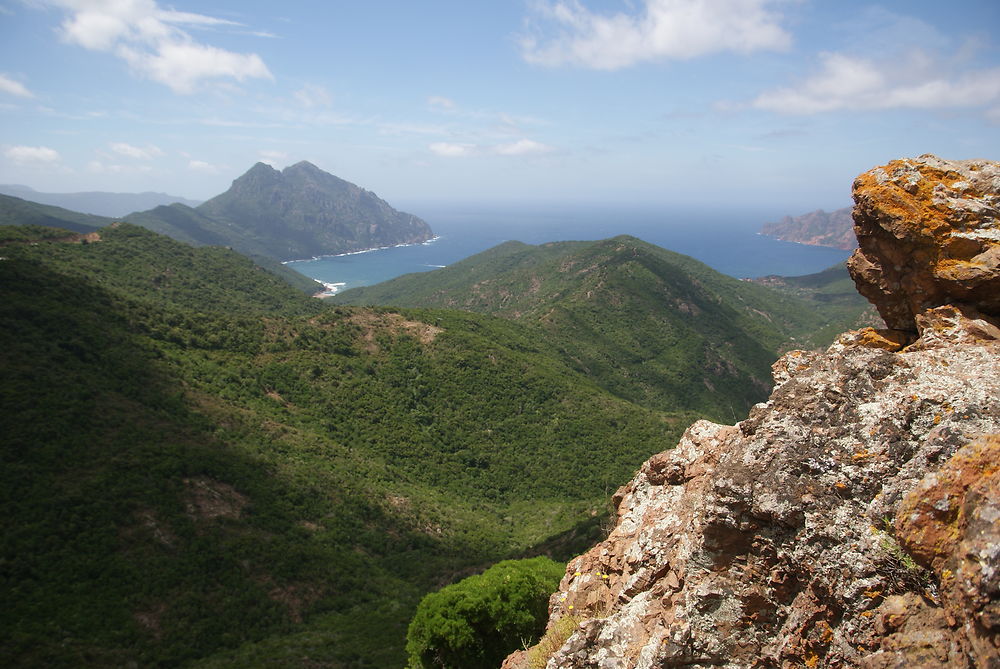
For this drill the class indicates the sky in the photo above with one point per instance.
(704, 103)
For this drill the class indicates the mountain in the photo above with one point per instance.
(833, 293)
(203, 465)
(298, 212)
(817, 228)
(852, 520)
(650, 325)
(16, 211)
(114, 205)
(20, 215)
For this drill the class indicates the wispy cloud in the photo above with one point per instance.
(846, 82)
(155, 44)
(202, 166)
(313, 95)
(39, 155)
(14, 87)
(440, 103)
(522, 147)
(273, 157)
(101, 167)
(129, 151)
(452, 150)
(568, 33)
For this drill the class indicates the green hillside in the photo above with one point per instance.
(650, 325)
(15, 211)
(27, 221)
(834, 294)
(202, 465)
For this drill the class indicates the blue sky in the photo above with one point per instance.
(724, 103)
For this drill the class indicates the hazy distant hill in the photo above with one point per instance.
(115, 205)
(298, 212)
(648, 324)
(17, 211)
(818, 228)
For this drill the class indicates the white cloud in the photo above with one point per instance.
(12, 87)
(150, 40)
(313, 95)
(98, 167)
(202, 166)
(42, 155)
(452, 150)
(522, 147)
(136, 152)
(851, 83)
(440, 103)
(273, 158)
(663, 30)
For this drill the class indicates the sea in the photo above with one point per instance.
(727, 241)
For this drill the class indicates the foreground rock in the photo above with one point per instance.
(821, 531)
(853, 520)
(929, 234)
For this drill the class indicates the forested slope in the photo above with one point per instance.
(196, 457)
(648, 324)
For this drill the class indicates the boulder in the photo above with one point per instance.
(928, 232)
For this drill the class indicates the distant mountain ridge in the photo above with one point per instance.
(296, 213)
(817, 228)
(18, 211)
(98, 203)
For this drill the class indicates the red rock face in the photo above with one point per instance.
(951, 523)
(852, 520)
(929, 235)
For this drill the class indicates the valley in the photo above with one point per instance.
(231, 471)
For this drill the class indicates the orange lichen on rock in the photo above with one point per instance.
(950, 522)
(887, 340)
(928, 235)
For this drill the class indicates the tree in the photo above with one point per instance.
(478, 621)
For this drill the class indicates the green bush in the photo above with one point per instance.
(480, 620)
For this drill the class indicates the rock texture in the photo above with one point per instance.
(852, 520)
(817, 228)
(929, 234)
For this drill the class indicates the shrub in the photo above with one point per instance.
(478, 621)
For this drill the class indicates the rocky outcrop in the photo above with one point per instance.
(817, 228)
(929, 234)
(852, 520)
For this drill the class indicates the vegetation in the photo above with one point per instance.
(649, 325)
(555, 637)
(203, 466)
(833, 293)
(17, 212)
(477, 622)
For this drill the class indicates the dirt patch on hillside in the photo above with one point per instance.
(205, 499)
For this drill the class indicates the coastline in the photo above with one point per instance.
(329, 289)
(354, 253)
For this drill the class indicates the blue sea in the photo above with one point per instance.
(726, 241)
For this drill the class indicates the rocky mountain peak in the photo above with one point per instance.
(303, 211)
(853, 519)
